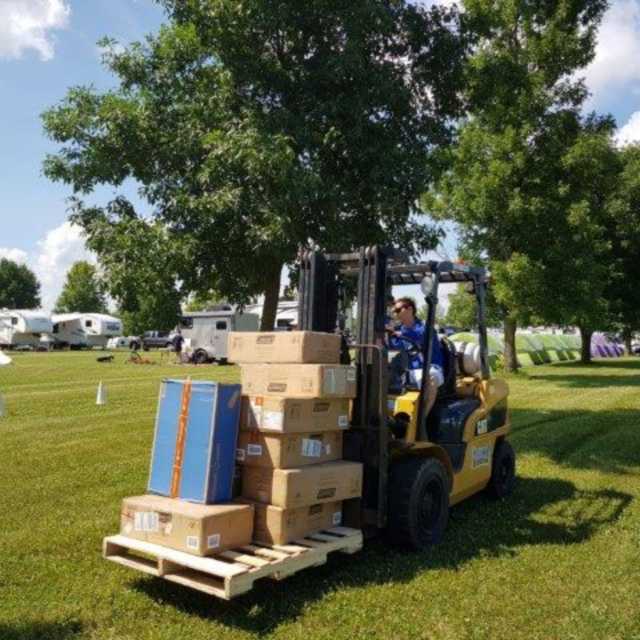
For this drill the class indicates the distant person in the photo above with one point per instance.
(178, 342)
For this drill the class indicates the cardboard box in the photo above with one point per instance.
(274, 525)
(286, 451)
(291, 415)
(194, 450)
(283, 347)
(299, 380)
(302, 487)
(201, 530)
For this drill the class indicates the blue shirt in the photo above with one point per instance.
(416, 333)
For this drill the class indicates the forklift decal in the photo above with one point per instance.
(481, 456)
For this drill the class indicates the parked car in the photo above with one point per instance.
(124, 342)
(157, 339)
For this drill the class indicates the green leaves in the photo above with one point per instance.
(257, 128)
(19, 287)
(81, 291)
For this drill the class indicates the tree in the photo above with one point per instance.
(203, 302)
(463, 310)
(524, 103)
(623, 293)
(142, 263)
(583, 251)
(81, 291)
(259, 128)
(19, 287)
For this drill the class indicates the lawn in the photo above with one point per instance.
(559, 559)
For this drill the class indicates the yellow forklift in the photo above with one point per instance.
(415, 465)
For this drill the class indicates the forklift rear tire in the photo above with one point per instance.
(418, 503)
(503, 471)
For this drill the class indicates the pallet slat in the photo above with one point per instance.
(241, 567)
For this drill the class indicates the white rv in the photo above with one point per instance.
(286, 314)
(20, 328)
(82, 330)
(206, 332)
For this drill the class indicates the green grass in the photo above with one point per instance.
(559, 559)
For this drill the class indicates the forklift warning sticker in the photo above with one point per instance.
(482, 426)
(311, 448)
(481, 456)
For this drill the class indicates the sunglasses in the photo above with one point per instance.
(399, 309)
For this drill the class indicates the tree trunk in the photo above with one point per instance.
(585, 350)
(271, 296)
(510, 357)
(626, 336)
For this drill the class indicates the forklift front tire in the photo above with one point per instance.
(503, 471)
(418, 503)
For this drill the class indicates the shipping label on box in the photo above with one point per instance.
(193, 528)
(290, 415)
(275, 525)
(285, 451)
(283, 347)
(299, 380)
(304, 486)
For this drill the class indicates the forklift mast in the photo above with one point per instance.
(323, 285)
(322, 279)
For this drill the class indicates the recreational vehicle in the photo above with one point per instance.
(286, 314)
(84, 330)
(20, 328)
(206, 332)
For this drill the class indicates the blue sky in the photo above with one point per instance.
(47, 46)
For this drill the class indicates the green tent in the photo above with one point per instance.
(572, 345)
(554, 346)
(538, 345)
(526, 351)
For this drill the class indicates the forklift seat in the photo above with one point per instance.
(448, 388)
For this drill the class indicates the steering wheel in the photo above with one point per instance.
(415, 346)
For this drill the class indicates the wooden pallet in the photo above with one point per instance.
(233, 572)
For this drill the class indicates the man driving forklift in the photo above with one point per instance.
(410, 328)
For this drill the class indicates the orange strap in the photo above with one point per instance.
(176, 477)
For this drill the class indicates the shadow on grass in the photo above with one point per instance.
(541, 512)
(41, 630)
(607, 440)
(585, 376)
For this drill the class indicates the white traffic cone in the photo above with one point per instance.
(101, 398)
(2, 409)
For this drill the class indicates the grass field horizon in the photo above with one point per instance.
(559, 559)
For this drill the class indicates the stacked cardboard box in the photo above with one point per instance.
(191, 474)
(295, 408)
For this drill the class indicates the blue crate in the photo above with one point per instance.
(209, 444)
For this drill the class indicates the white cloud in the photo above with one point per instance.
(17, 255)
(617, 60)
(59, 249)
(630, 132)
(27, 24)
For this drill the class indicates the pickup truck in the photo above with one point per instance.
(157, 339)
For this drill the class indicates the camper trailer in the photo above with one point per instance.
(84, 330)
(206, 332)
(286, 314)
(20, 328)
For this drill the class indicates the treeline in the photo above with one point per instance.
(256, 130)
